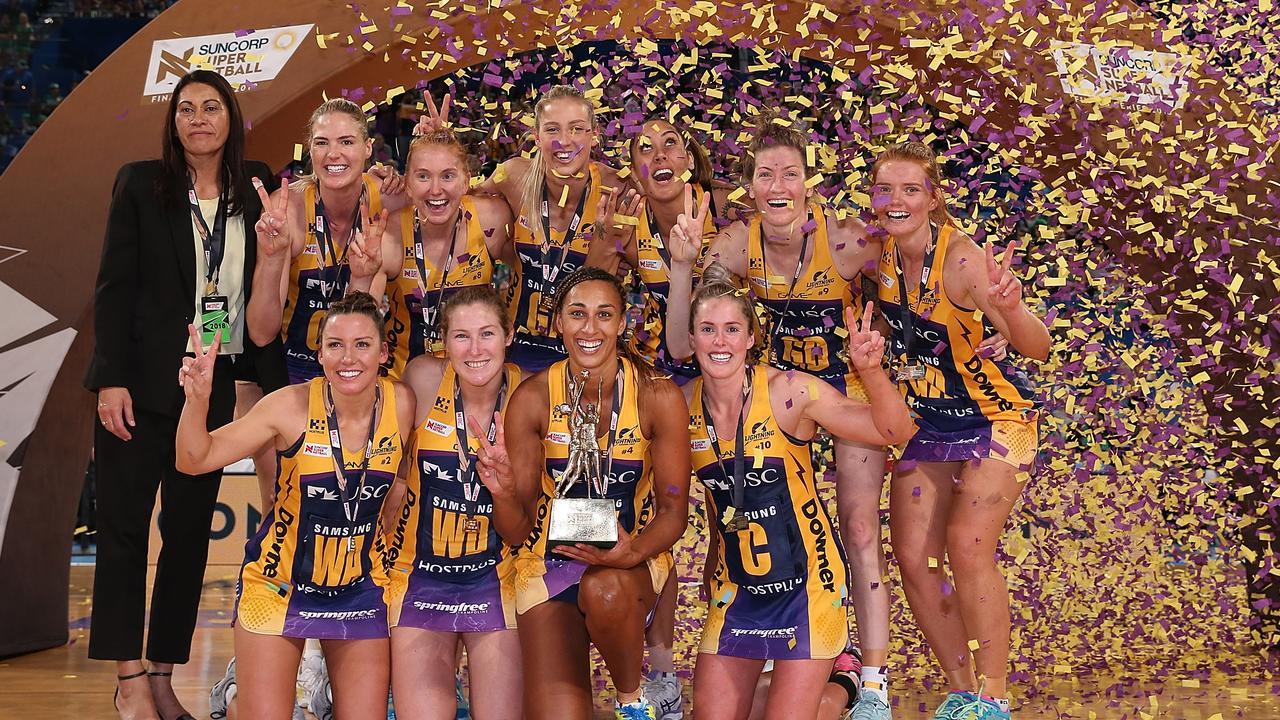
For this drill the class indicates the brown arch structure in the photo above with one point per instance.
(54, 198)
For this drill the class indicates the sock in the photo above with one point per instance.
(875, 680)
(1002, 703)
(660, 659)
(310, 648)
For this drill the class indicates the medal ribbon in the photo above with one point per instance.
(908, 309)
(739, 442)
(795, 277)
(429, 332)
(466, 460)
(339, 462)
(574, 222)
(329, 254)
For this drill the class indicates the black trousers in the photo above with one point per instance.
(128, 475)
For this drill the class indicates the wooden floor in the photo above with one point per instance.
(63, 683)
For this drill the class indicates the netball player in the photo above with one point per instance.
(960, 475)
(555, 197)
(804, 267)
(304, 268)
(451, 575)
(450, 241)
(778, 583)
(313, 569)
(581, 594)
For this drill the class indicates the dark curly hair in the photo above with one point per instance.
(588, 273)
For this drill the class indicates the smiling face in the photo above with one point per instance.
(777, 185)
(565, 136)
(475, 343)
(202, 119)
(590, 322)
(351, 350)
(340, 149)
(722, 337)
(902, 197)
(437, 179)
(660, 159)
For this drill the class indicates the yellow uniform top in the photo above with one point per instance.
(531, 325)
(804, 319)
(412, 323)
(314, 568)
(959, 388)
(318, 277)
(779, 585)
(654, 260)
(539, 578)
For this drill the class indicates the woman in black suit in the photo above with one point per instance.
(179, 249)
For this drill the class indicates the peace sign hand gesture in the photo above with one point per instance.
(435, 120)
(273, 224)
(364, 256)
(196, 374)
(493, 465)
(617, 235)
(1005, 292)
(685, 242)
(866, 344)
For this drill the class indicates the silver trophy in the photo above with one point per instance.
(588, 520)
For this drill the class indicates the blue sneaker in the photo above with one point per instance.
(953, 702)
(641, 709)
(870, 707)
(464, 706)
(974, 707)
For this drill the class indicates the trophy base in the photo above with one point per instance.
(582, 521)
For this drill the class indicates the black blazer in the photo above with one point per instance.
(143, 299)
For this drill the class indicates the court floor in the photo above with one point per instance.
(63, 684)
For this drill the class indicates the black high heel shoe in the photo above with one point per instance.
(115, 699)
(183, 716)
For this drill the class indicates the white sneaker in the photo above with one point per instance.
(313, 675)
(664, 691)
(222, 692)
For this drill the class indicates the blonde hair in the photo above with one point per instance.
(718, 283)
(535, 180)
(342, 106)
(923, 156)
(438, 138)
(774, 129)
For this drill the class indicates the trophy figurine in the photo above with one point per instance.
(586, 520)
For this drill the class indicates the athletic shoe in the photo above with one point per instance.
(320, 703)
(218, 698)
(978, 708)
(664, 691)
(954, 703)
(641, 709)
(464, 706)
(313, 676)
(870, 707)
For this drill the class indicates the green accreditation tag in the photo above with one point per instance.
(215, 315)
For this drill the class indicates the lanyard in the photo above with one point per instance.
(908, 311)
(558, 265)
(429, 326)
(659, 244)
(339, 462)
(466, 462)
(214, 241)
(328, 254)
(739, 442)
(795, 277)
